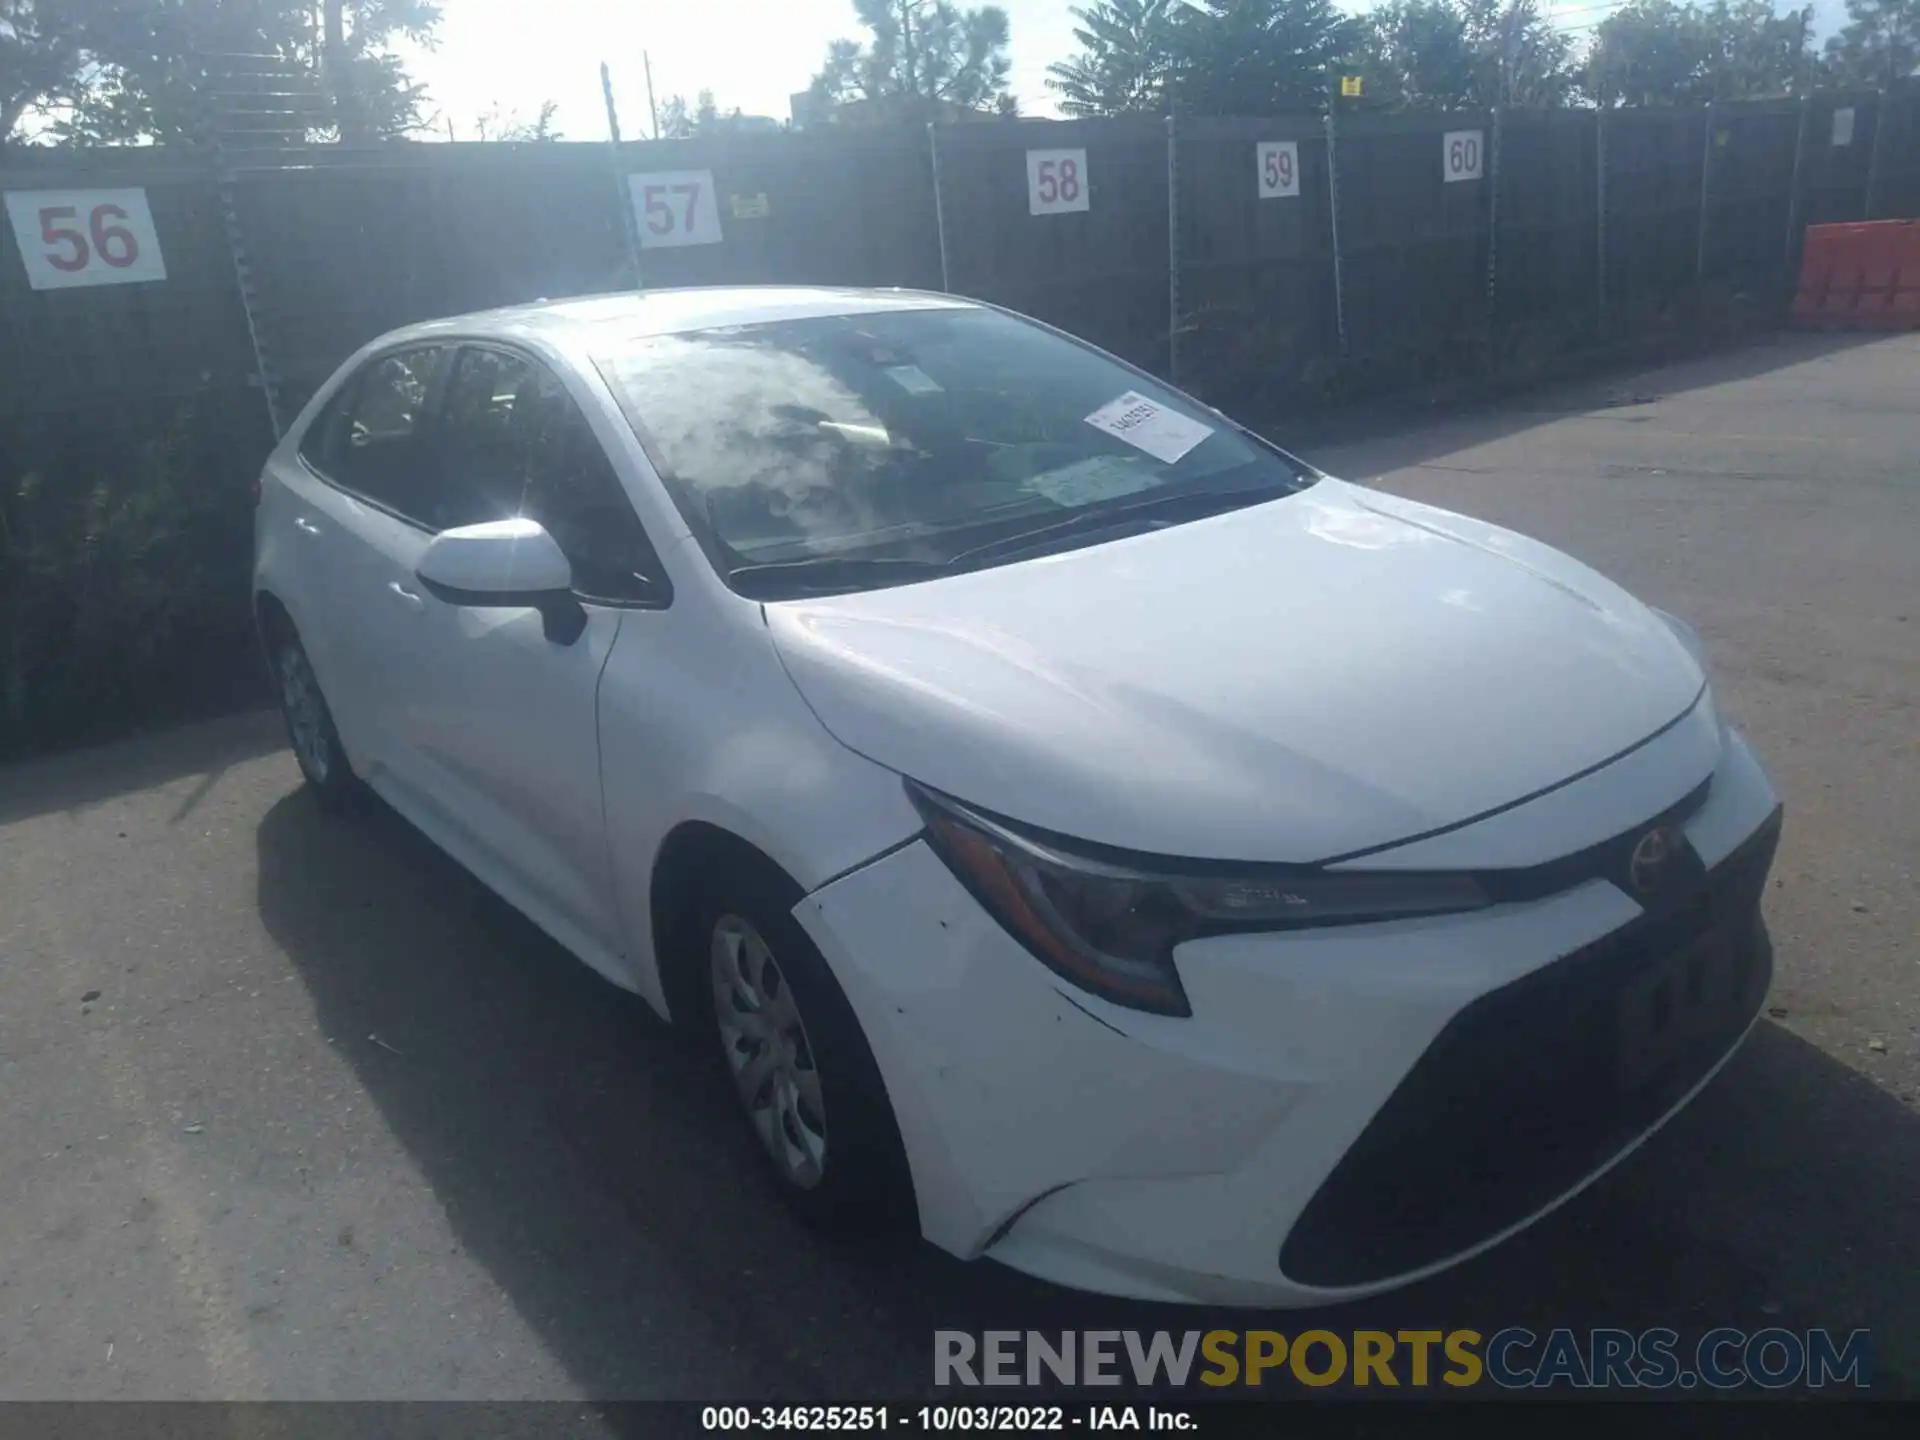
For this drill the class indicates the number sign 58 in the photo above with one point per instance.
(1460, 153)
(675, 207)
(1279, 162)
(85, 237)
(1056, 181)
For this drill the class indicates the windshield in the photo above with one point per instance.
(847, 452)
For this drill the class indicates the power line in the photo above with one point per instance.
(1556, 13)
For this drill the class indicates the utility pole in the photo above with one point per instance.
(1333, 224)
(646, 64)
(1173, 249)
(623, 193)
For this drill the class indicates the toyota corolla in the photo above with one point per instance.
(1077, 826)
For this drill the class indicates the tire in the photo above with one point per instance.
(310, 729)
(793, 1056)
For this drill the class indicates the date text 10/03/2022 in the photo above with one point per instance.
(942, 1418)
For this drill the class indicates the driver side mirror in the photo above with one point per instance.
(503, 564)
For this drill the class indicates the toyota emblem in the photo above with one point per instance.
(1649, 861)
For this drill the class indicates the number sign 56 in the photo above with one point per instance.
(1460, 155)
(675, 207)
(85, 237)
(1056, 181)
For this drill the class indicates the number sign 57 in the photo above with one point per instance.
(85, 237)
(1056, 181)
(1460, 153)
(675, 207)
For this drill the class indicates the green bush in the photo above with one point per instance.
(123, 576)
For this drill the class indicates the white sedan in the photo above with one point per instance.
(1082, 829)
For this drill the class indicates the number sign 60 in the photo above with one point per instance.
(1056, 181)
(85, 237)
(1460, 155)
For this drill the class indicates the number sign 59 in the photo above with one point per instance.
(85, 237)
(1460, 154)
(1056, 181)
(675, 207)
(1279, 162)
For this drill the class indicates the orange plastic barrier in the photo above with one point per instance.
(1904, 313)
(1819, 262)
(1862, 276)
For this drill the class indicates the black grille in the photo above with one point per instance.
(1534, 1086)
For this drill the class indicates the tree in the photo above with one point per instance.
(1466, 54)
(1416, 52)
(924, 58)
(45, 45)
(105, 71)
(1754, 53)
(1258, 57)
(508, 126)
(679, 122)
(1657, 52)
(1649, 52)
(1879, 45)
(1520, 57)
(1126, 54)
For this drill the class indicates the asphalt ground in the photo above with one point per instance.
(291, 1108)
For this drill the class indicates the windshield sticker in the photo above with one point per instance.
(1146, 425)
(913, 380)
(1097, 478)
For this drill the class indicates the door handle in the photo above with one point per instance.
(407, 597)
(306, 526)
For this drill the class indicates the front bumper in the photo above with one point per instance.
(1345, 1110)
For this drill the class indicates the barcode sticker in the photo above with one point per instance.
(1147, 425)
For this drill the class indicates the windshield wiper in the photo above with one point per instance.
(831, 572)
(1098, 518)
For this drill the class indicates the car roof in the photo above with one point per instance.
(674, 311)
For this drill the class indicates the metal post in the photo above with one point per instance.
(1706, 171)
(939, 207)
(622, 193)
(226, 185)
(1880, 108)
(1600, 211)
(1173, 251)
(646, 64)
(1333, 222)
(1793, 186)
(1493, 210)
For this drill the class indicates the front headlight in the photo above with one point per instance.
(1110, 925)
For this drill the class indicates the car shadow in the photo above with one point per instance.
(586, 1158)
(77, 779)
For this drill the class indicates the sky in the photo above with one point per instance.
(751, 53)
(512, 55)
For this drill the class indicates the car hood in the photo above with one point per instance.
(1321, 674)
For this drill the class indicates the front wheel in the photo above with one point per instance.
(310, 728)
(800, 1068)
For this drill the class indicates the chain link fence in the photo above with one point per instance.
(1267, 263)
